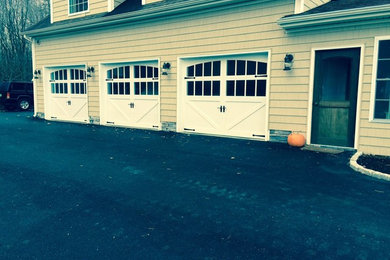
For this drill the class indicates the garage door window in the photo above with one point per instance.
(78, 78)
(145, 80)
(118, 81)
(75, 78)
(246, 78)
(382, 90)
(59, 82)
(199, 79)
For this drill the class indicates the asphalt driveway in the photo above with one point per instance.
(70, 191)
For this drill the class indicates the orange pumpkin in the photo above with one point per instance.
(296, 140)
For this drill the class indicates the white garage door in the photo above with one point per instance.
(225, 96)
(131, 95)
(67, 95)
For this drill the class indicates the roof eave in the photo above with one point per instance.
(307, 22)
(162, 11)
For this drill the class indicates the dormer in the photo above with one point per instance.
(304, 5)
(70, 9)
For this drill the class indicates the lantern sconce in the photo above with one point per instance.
(165, 68)
(36, 74)
(90, 71)
(288, 61)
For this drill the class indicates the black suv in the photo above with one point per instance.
(17, 94)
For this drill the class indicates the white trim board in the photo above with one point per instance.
(359, 89)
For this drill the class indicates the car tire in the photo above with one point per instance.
(24, 104)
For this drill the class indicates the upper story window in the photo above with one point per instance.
(78, 6)
(382, 81)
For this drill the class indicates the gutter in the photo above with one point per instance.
(133, 16)
(307, 22)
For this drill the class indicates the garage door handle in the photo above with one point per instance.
(223, 109)
(69, 102)
(220, 109)
(131, 105)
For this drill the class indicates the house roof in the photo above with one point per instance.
(128, 11)
(338, 13)
(338, 5)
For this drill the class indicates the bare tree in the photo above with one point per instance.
(15, 51)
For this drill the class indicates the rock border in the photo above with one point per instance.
(357, 167)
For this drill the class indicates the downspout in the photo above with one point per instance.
(31, 40)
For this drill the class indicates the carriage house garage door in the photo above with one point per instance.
(130, 95)
(224, 95)
(66, 98)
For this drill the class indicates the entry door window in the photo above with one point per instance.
(382, 93)
(335, 86)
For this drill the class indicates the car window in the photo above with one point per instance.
(4, 86)
(17, 86)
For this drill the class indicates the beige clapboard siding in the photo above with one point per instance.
(238, 30)
(61, 12)
(167, 39)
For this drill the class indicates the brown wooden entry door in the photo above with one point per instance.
(336, 79)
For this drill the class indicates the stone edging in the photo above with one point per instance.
(357, 167)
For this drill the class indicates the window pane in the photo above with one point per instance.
(231, 67)
(150, 72)
(127, 88)
(156, 88)
(143, 72)
(190, 88)
(57, 88)
(207, 88)
(109, 88)
(251, 68)
(53, 89)
(156, 72)
(207, 69)
(384, 49)
(198, 88)
(198, 69)
(143, 87)
(115, 89)
(261, 68)
(216, 88)
(109, 74)
(230, 88)
(121, 88)
(77, 88)
(76, 74)
(115, 73)
(383, 69)
(136, 72)
(190, 71)
(250, 88)
(56, 75)
(240, 67)
(382, 110)
(261, 88)
(136, 88)
(150, 88)
(216, 68)
(121, 70)
(382, 90)
(66, 88)
(240, 88)
(72, 74)
(65, 74)
(127, 72)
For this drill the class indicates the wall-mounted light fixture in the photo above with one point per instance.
(288, 61)
(37, 73)
(90, 71)
(165, 68)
